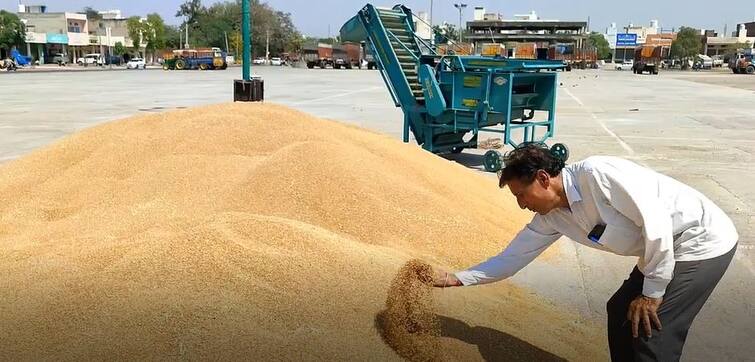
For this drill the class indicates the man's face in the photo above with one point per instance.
(535, 196)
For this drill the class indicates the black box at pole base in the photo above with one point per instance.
(249, 90)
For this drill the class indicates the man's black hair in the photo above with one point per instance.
(523, 162)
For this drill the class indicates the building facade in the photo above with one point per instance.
(72, 34)
(489, 28)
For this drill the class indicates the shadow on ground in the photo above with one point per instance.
(466, 159)
(492, 344)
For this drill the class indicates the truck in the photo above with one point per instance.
(203, 59)
(493, 50)
(319, 54)
(369, 58)
(347, 55)
(525, 51)
(647, 58)
(741, 62)
(585, 57)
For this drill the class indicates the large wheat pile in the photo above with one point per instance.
(251, 231)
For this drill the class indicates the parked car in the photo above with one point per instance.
(60, 59)
(136, 63)
(718, 61)
(259, 61)
(625, 65)
(91, 59)
(703, 62)
(276, 61)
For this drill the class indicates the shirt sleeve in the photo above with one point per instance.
(525, 247)
(638, 201)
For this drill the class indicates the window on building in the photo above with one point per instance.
(73, 27)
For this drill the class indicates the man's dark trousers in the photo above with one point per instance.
(690, 287)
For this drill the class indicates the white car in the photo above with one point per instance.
(625, 65)
(136, 63)
(91, 59)
(259, 61)
(276, 61)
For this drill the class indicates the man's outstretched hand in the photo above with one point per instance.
(444, 279)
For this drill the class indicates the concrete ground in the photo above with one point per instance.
(696, 127)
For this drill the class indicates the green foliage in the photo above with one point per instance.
(734, 48)
(135, 28)
(687, 44)
(91, 13)
(598, 41)
(12, 30)
(208, 26)
(447, 32)
(154, 32)
(119, 49)
(172, 37)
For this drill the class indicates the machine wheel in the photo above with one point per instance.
(457, 149)
(310, 65)
(492, 161)
(180, 64)
(204, 66)
(561, 151)
(735, 70)
(750, 69)
(165, 66)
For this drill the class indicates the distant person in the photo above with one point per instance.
(683, 240)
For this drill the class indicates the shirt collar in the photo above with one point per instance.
(570, 186)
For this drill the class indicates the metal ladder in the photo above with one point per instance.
(407, 51)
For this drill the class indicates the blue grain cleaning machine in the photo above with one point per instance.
(448, 99)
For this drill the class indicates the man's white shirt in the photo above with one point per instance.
(646, 214)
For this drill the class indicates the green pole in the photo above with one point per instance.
(246, 33)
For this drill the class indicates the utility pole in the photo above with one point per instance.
(180, 38)
(251, 88)
(431, 16)
(186, 26)
(246, 26)
(225, 35)
(267, 45)
(109, 47)
(461, 7)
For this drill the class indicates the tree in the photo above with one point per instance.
(135, 28)
(172, 37)
(446, 32)
(191, 10)
(153, 32)
(119, 49)
(12, 31)
(687, 44)
(733, 48)
(598, 41)
(91, 13)
(208, 26)
(237, 43)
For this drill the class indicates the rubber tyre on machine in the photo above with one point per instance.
(750, 69)
(165, 66)
(204, 66)
(180, 64)
(492, 161)
(457, 149)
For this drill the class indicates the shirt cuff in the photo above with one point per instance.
(654, 288)
(466, 278)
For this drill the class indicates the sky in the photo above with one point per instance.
(321, 17)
